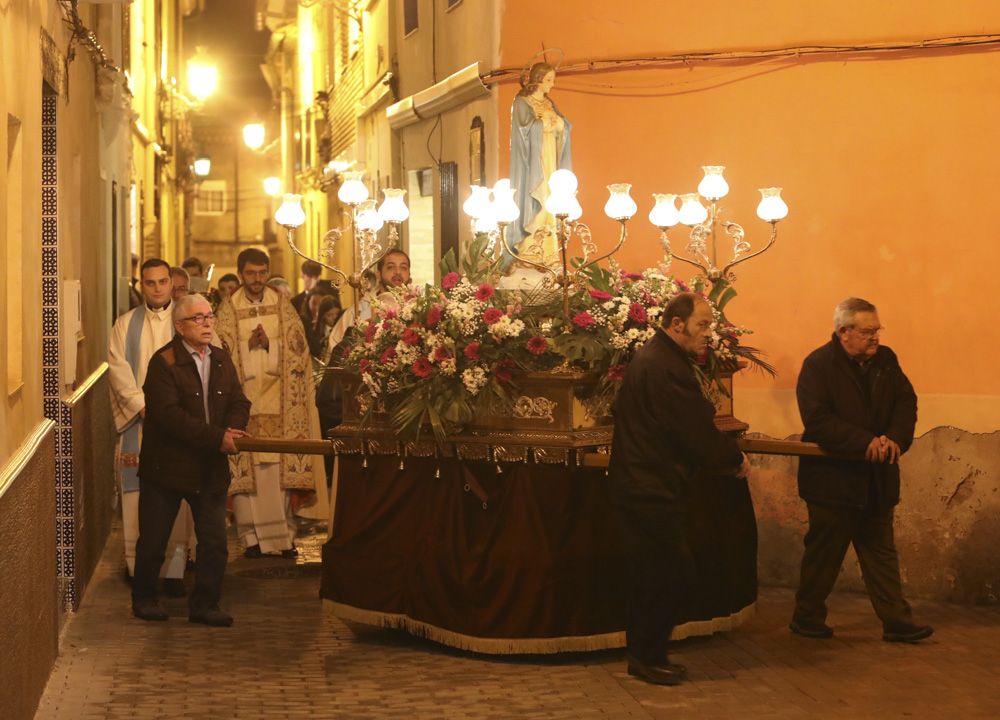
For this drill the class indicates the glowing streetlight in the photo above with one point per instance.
(272, 186)
(202, 167)
(202, 75)
(253, 135)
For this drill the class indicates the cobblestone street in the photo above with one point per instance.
(286, 658)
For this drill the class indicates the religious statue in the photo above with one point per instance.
(539, 145)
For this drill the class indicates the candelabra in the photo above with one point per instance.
(704, 222)
(365, 221)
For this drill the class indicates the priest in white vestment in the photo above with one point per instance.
(136, 335)
(267, 341)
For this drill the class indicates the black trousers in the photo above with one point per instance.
(158, 508)
(661, 574)
(831, 531)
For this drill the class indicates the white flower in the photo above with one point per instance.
(474, 379)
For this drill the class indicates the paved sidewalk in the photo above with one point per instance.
(285, 658)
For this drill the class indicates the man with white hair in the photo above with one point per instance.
(857, 403)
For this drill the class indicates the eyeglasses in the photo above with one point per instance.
(867, 332)
(201, 318)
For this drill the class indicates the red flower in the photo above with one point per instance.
(370, 332)
(484, 292)
(422, 367)
(450, 280)
(630, 276)
(682, 286)
(583, 319)
(616, 372)
(504, 370)
(410, 336)
(538, 345)
(637, 312)
(492, 315)
(389, 314)
(441, 354)
(364, 365)
(649, 299)
(433, 315)
(388, 356)
(471, 350)
(600, 295)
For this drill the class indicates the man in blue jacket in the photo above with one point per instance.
(858, 405)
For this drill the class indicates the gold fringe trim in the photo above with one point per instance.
(527, 646)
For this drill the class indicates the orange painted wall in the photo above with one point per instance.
(889, 164)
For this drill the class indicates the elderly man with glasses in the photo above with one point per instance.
(857, 403)
(195, 409)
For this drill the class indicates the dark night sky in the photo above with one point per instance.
(226, 29)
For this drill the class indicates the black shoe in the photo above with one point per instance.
(290, 554)
(149, 610)
(211, 616)
(174, 587)
(907, 633)
(660, 674)
(809, 630)
(253, 552)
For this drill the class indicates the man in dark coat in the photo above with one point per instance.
(858, 405)
(195, 409)
(664, 437)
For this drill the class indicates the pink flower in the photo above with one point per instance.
(364, 365)
(370, 332)
(471, 350)
(630, 276)
(484, 292)
(504, 370)
(388, 356)
(422, 367)
(492, 315)
(637, 312)
(682, 286)
(450, 280)
(583, 319)
(410, 336)
(600, 295)
(390, 314)
(616, 372)
(441, 354)
(433, 315)
(537, 345)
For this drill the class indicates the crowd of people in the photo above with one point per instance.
(193, 369)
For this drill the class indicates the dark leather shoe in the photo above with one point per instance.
(907, 633)
(149, 610)
(819, 631)
(174, 587)
(660, 674)
(290, 554)
(253, 552)
(211, 616)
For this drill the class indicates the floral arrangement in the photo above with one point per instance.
(442, 355)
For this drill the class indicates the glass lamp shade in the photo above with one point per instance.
(664, 213)
(393, 207)
(272, 186)
(487, 222)
(692, 212)
(202, 167)
(771, 208)
(505, 209)
(477, 204)
(620, 205)
(290, 214)
(713, 186)
(368, 217)
(576, 210)
(563, 181)
(253, 135)
(352, 190)
(560, 203)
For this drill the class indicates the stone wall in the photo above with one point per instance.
(947, 523)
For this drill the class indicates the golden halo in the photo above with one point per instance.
(523, 77)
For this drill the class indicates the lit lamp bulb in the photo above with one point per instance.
(253, 135)
(202, 167)
(620, 205)
(478, 202)
(575, 209)
(563, 182)
(692, 212)
(505, 209)
(352, 190)
(713, 186)
(272, 186)
(290, 215)
(560, 203)
(487, 222)
(771, 208)
(664, 213)
(203, 76)
(393, 208)
(368, 218)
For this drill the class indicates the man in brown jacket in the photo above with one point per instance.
(195, 409)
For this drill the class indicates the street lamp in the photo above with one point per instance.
(253, 135)
(272, 186)
(202, 167)
(202, 75)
